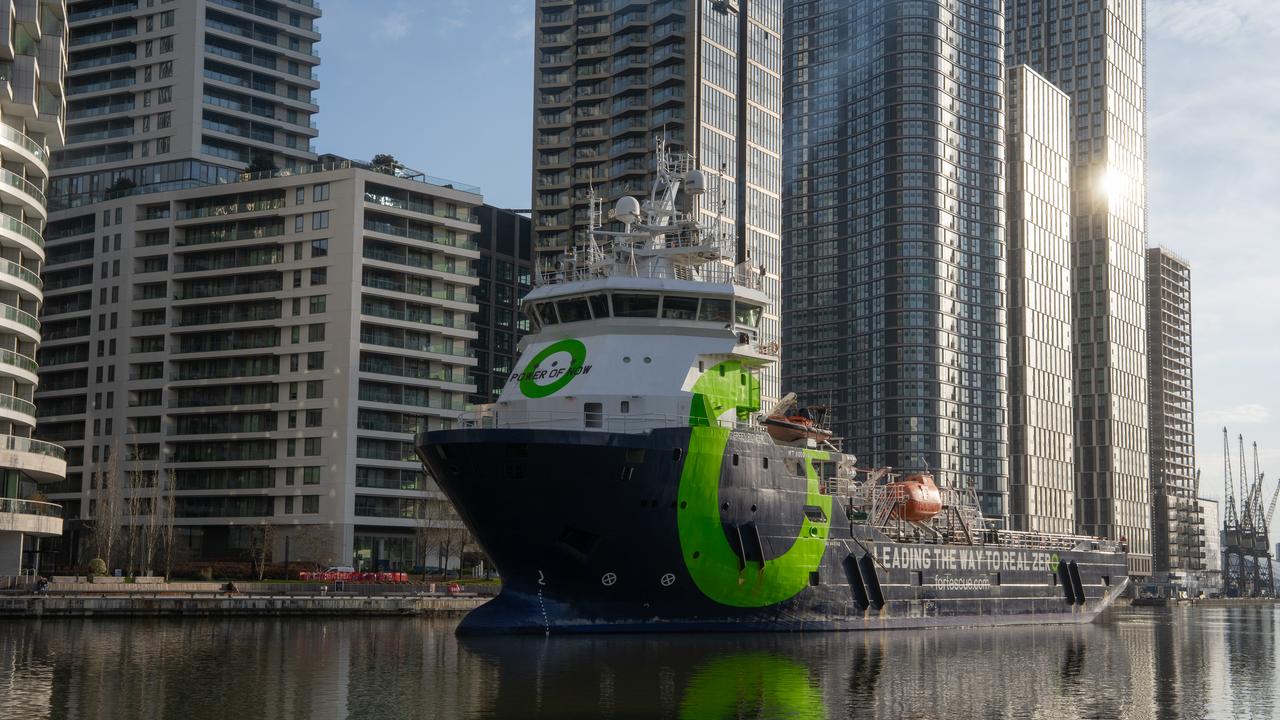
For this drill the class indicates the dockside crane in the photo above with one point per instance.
(1232, 557)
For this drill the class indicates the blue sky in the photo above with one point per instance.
(446, 87)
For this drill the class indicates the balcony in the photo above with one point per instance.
(30, 517)
(42, 460)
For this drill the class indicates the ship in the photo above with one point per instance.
(627, 480)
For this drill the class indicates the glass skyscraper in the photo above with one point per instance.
(1041, 469)
(1094, 52)
(894, 262)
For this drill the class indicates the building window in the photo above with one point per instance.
(319, 276)
(317, 304)
(297, 224)
(311, 447)
(315, 333)
(315, 360)
(310, 504)
(320, 193)
(315, 389)
(320, 220)
(319, 248)
(315, 418)
(311, 476)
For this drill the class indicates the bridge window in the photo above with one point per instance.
(642, 306)
(715, 310)
(594, 414)
(599, 305)
(573, 309)
(547, 312)
(748, 315)
(679, 308)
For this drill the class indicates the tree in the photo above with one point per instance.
(152, 531)
(314, 545)
(264, 536)
(108, 506)
(386, 164)
(261, 162)
(167, 517)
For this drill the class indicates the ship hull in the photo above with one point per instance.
(591, 532)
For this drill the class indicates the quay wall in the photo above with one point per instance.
(133, 605)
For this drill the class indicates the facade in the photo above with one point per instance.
(264, 350)
(181, 94)
(610, 77)
(505, 273)
(1211, 553)
(1177, 526)
(895, 275)
(1097, 57)
(1041, 458)
(31, 125)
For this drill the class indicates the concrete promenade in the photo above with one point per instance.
(205, 605)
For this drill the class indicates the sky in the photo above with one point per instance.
(446, 86)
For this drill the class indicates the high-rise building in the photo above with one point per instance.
(1094, 52)
(267, 349)
(610, 77)
(178, 94)
(505, 272)
(31, 112)
(1176, 522)
(895, 287)
(1211, 552)
(1041, 461)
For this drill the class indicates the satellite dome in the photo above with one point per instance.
(695, 183)
(627, 210)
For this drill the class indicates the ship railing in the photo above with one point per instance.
(595, 422)
(709, 272)
(1052, 541)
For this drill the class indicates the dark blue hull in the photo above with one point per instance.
(584, 528)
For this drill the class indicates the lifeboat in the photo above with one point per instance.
(916, 498)
(785, 426)
(790, 428)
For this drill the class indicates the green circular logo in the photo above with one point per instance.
(559, 376)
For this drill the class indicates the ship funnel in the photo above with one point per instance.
(627, 210)
(695, 183)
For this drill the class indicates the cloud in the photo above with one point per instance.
(1248, 413)
(395, 25)
(1213, 21)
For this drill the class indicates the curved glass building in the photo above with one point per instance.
(894, 275)
(33, 64)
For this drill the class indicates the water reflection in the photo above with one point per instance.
(1193, 663)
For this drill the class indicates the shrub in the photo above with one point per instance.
(97, 566)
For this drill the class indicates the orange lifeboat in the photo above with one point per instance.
(916, 498)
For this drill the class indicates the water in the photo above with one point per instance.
(1136, 663)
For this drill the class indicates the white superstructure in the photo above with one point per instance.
(625, 326)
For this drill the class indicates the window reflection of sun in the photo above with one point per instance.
(1113, 184)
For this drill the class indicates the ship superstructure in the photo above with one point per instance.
(626, 478)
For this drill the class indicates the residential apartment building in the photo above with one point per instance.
(31, 110)
(1211, 552)
(1094, 51)
(505, 273)
(895, 253)
(1177, 525)
(267, 348)
(184, 93)
(1041, 458)
(610, 77)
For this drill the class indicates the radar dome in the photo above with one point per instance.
(627, 210)
(695, 183)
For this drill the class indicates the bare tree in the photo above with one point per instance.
(314, 545)
(152, 531)
(167, 515)
(264, 536)
(133, 507)
(108, 507)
